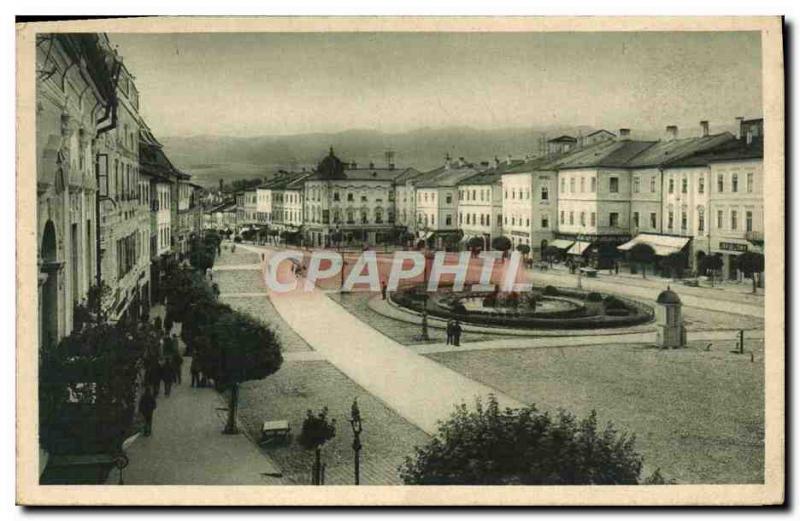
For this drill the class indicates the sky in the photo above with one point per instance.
(248, 84)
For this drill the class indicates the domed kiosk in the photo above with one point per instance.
(670, 332)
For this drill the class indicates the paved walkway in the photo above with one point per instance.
(188, 448)
(419, 389)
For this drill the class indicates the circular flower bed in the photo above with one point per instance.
(540, 308)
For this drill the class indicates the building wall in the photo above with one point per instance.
(588, 198)
(480, 209)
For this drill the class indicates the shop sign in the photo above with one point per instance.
(732, 246)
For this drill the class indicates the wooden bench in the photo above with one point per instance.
(274, 431)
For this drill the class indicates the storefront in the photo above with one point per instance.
(729, 249)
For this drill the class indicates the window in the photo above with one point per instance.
(750, 183)
(701, 185)
(350, 197)
(335, 196)
(671, 185)
(735, 183)
(652, 184)
(684, 223)
(636, 185)
(719, 219)
(583, 218)
(748, 221)
(592, 219)
(613, 219)
(562, 217)
(545, 221)
(563, 184)
(734, 219)
(528, 222)
(545, 194)
(499, 219)
(720, 183)
(505, 193)
(653, 220)
(613, 185)
(583, 184)
(363, 198)
(593, 185)
(448, 219)
(460, 218)
(449, 197)
(701, 219)
(571, 217)
(684, 185)
(670, 219)
(636, 219)
(572, 185)
(473, 196)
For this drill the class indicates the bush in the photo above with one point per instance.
(594, 297)
(550, 291)
(459, 308)
(490, 446)
(237, 239)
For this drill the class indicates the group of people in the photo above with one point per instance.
(163, 367)
(454, 330)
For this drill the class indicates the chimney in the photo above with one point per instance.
(739, 121)
(704, 128)
(672, 132)
(447, 160)
(624, 133)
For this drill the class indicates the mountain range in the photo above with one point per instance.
(211, 158)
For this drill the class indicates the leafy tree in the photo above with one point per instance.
(642, 254)
(317, 430)
(501, 243)
(550, 253)
(247, 350)
(490, 446)
(524, 249)
(751, 264)
(710, 263)
(675, 262)
(475, 243)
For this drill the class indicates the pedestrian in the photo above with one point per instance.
(449, 331)
(153, 377)
(195, 370)
(457, 333)
(167, 376)
(616, 268)
(383, 290)
(147, 404)
(177, 365)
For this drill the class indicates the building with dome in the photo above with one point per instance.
(349, 204)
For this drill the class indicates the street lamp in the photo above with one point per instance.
(355, 424)
(424, 334)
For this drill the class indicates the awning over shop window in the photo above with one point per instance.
(467, 238)
(663, 245)
(561, 244)
(424, 236)
(578, 248)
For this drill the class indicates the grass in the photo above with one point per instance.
(698, 415)
(299, 386)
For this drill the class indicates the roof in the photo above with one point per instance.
(374, 174)
(668, 297)
(563, 139)
(664, 152)
(602, 130)
(610, 154)
(492, 175)
(222, 207)
(330, 167)
(442, 176)
(285, 180)
(734, 150)
(154, 162)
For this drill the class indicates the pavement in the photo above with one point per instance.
(417, 388)
(187, 446)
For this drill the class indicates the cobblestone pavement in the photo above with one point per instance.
(698, 415)
(240, 257)
(258, 306)
(188, 448)
(299, 386)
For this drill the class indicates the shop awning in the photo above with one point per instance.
(561, 244)
(424, 236)
(663, 245)
(467, 238)
(578, 248)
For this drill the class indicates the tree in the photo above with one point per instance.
(710, 263)
(247, 350)
(642, 254)
(751, 263)
(675, 262)
(550, 253)
(501, 243)
(475, 243)
(524, 249)
(317, 430)
(490, 446)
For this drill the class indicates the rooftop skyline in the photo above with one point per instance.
(293, 83)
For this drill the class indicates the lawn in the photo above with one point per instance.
(299, 386)
(698, 415)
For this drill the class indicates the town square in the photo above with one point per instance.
(415, 289)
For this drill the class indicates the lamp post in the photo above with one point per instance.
(424, 334)
(355, 424)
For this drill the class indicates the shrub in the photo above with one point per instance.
(237, 239)
(459, 308)
(494, 446)
(594, 297)
(550, 291)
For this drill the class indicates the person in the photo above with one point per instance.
(167, 376)
(147, 404)
(616, 268)
(449, 331)
(177, 363)
(457, 333)
(195, 370)
(383, 290)
(153, 377)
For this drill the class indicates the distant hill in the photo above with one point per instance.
(210, 158)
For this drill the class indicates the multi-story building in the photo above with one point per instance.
(239, 197)
(125, 218)
(437, 202)
(75, 99)
(480, 204)
(221, 217)
(596, 137)
(357, 202)
(529, 203)
(561, 145)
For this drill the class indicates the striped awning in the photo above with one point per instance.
(663, 245)
(578, 248)
(561, 244)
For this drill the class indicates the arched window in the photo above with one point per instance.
(350, 219)
(378, 215)
(364, 216)
(337, 216)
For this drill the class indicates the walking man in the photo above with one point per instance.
(168, 376)
(153, 376)
(147, 404)
(195, 370)
(457, 333)
(383, 290)
(449, 331)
